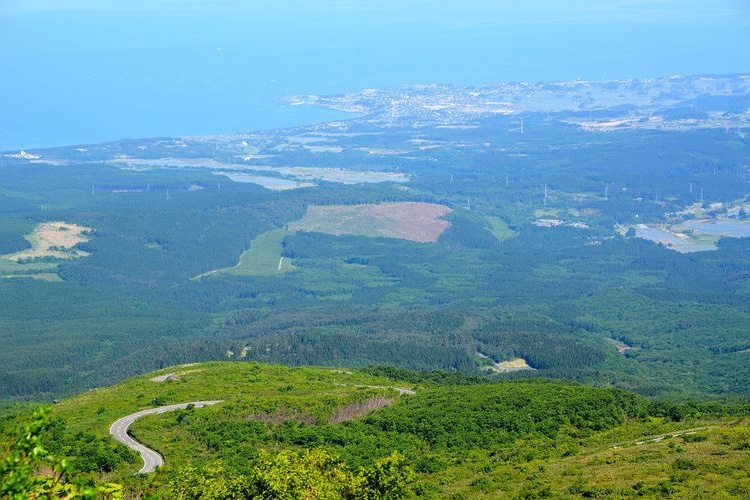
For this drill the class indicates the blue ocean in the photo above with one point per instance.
(84, 71)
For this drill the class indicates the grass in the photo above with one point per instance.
(712, 462)
(546, 212)
(46, 271)
(11, 266)
(246, 388)
(234, 382)
(263, 258)
(500, 229)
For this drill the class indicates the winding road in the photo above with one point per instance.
(151, 459)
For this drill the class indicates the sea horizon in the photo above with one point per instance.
(89, 72)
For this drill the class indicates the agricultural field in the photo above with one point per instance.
(50, 242)
(696, 235)
(289, 177)
(413, 221)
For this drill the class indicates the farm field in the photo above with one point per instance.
(679, 242)
(693, 235)
(302, 175)
(414, 221)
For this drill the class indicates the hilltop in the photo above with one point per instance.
(443, 434)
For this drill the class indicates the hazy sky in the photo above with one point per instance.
(88, 70)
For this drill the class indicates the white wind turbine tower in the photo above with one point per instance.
(522, 119)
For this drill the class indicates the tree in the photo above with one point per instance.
(20, 476)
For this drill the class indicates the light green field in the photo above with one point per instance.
(35, 270)
(262, 259)
(37, 276)
(500, 229)
(236, 383)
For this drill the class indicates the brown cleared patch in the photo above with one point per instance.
(414, 221)
(54, 239)
(509, 366)
(356, 410)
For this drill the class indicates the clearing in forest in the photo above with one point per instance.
(53, 239)
(263, 258)
(499, 228)
(414, 221)
(512, 365)
(49, 240)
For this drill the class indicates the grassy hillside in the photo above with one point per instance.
(455, 437)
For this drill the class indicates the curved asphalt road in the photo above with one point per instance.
(151, 459)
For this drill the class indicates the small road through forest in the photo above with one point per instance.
(151, 459)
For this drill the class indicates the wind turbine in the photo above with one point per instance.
(522, 119)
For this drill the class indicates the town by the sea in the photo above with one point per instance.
(85, 71)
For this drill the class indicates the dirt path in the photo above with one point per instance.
(661, 437)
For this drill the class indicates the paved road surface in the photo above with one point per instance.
(151, 459)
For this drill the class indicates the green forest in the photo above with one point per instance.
(579, 301)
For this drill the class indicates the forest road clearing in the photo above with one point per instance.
(661, 437)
